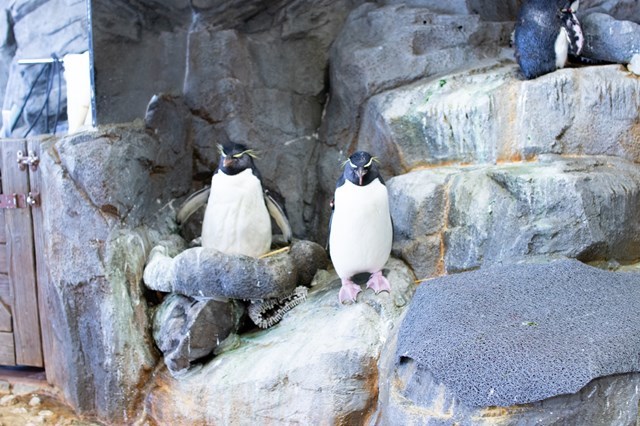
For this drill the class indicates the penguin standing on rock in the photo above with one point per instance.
(237, 217)
(546, 33)
(360, 230)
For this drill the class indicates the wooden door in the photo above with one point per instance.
(20, 335)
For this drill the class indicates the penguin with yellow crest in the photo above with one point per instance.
(237, 219)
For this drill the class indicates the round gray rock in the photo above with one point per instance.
(201, 272)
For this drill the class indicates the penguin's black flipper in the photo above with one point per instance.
(326, 246)
(277, 212)
(191, 205)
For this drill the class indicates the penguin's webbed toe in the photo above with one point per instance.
(349, 291)
(377, 282)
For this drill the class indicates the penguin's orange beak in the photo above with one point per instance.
(227, 161)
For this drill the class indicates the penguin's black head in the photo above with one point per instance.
(361, 169)
(235, 158)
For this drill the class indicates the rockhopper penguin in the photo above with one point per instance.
(360, 230)
(237, 217)
(546, 32)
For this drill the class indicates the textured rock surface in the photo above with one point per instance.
(489, 114)
(497, 11)
(410, 395)
(264, 84)
(201, 272)
(452, 219)
(608, 39)
(381, 48)
(619, 9)
(155, 35)
(317, 366)
(187, 329)
(262, 72)
(97, 188)
(7, 49)
(522, 333)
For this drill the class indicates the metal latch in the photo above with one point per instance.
(19, 201)
(30, 160)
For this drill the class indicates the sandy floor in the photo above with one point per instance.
(26, 400)
(37, 409)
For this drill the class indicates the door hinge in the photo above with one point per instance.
(19, 201)
(29, 160)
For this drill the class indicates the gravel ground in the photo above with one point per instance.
(31, 403)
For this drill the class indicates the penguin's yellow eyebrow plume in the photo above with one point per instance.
(371, 161)
(251, 153)
(344, 163)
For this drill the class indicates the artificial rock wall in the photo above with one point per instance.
(482, 168)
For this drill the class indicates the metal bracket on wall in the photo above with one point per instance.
(29, 160)
(19, 201)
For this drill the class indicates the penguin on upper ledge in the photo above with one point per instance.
(360, 229)
(546, 33)
(237, 219)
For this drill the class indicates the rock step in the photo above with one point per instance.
(317, 366)
(450, 219)
(488, 114)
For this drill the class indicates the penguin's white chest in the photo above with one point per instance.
(361, 233)
(561, 48)
(236, 220)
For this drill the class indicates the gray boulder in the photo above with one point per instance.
(511, 335)
(610, 40)
(381, 48)
(489, 114)
(488, 11)
(318, 365)
(99, 189)
(188, 329)
(201, 272)
(454, 219)
(619, 9)
(418, 204)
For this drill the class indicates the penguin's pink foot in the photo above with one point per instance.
(349, 291)
(377, 282)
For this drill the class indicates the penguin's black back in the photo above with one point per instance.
(536, 31)
(537, 28)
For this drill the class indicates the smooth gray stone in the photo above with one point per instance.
(187, 329)
(201, 272)
(609, 39)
